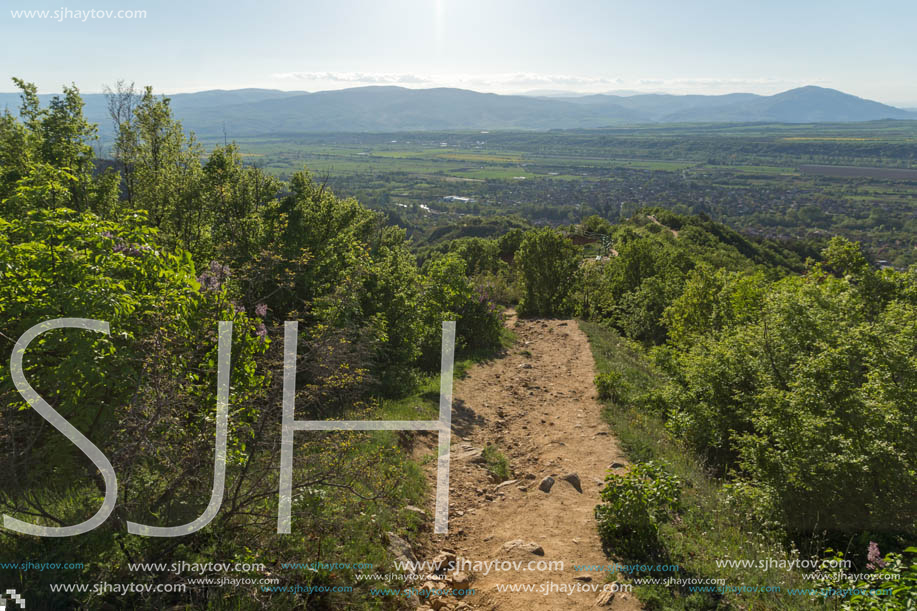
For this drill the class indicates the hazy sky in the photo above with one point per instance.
(708, 46)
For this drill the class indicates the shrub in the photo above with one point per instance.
(482, 321)
(448, 294)
(806, 400)
(611, 386)
(633, 505)
(501, 286)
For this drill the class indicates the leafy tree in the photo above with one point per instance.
(510, 241)
(597, 224)
(448, 294)
(548, 266)
(47, 160)
(235, 197)
(163, 174)
(804, 396)
(480, 254)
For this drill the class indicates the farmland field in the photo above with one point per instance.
(782, 181)
(846, 171)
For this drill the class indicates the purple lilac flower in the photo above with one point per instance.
(261, 310)
(212, 279)
(261, 331)
(219, 270)
(208, 282)
(874, 556)
(127, 249)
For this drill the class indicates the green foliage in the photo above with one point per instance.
(46, 160)
(891, 586)
(500, 287)
(611, 386)
(597, 224)
(62, 263)
(803, 395)
(795, 387)
(653, 268)
(194, 240)
(510, 241)
(496, 463)
(448, 294)
(633, 506)
(144, 392)
(708, 528)
(163, 174)
(548, 266)
(480, 254)
(591, 298)
(234, 197)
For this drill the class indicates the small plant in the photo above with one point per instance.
(633, 506)
(496, 463)
(611, 386)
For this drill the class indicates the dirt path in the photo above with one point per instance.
(537, 405)
(655, 220)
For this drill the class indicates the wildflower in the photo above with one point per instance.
(874, 556)
(127, 249)
(212, 279)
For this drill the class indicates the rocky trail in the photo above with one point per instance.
(537, 405)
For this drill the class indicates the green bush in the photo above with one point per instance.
(633, 505)
(800, 390)
(191, 243)
(549, 267)
(611, 386)
(448, 294)
(501, 286)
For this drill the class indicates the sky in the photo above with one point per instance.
(501, 46)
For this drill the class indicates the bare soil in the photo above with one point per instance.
(537, 405)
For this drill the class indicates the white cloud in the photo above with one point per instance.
(518, 82)
(730, 84)
(503, 82)
(361, 78)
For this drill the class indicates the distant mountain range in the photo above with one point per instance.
(255, 112)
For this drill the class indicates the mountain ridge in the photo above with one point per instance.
(255, 112)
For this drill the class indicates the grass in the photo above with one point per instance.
(496, 463)
(709, 530)
(422, 403)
